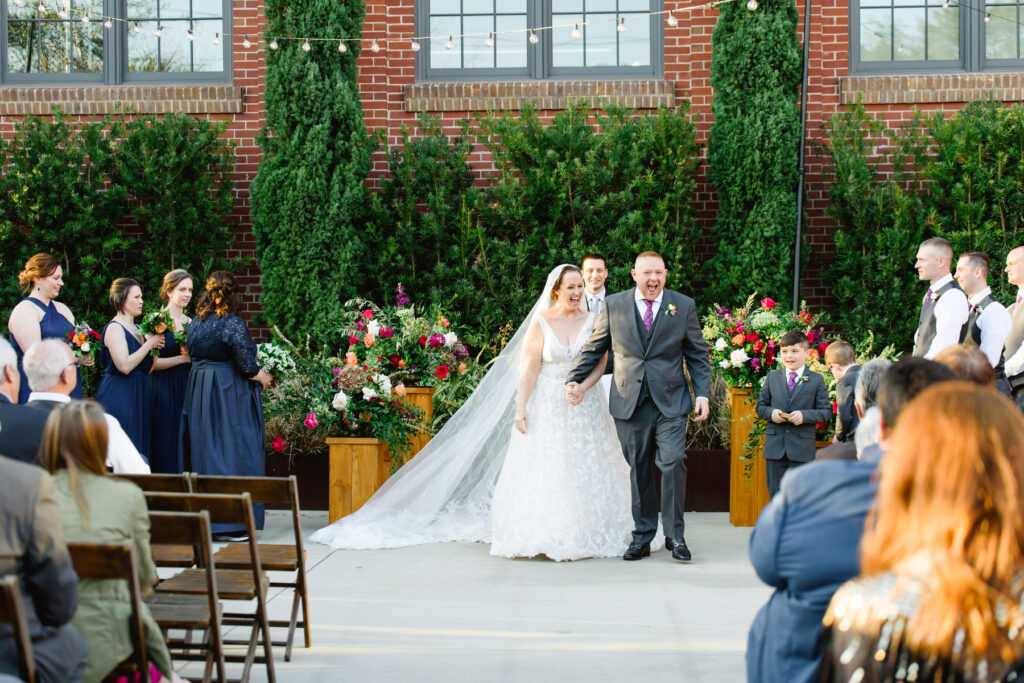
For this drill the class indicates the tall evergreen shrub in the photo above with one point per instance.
(308, 197)
(752, 151)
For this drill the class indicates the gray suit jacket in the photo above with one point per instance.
(810, 397)
(675, 338)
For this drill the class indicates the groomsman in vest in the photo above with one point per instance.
(595, 274)
(944, 307)
(1013, 354)
(988, 321)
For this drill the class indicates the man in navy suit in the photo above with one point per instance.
(21, 428)
(805, 542)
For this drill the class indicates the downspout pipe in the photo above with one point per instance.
(801, 170)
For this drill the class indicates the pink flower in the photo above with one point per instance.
(368, 314)
(387, 333)
(311, 421)
(767, 304)
(353, 340)
(369, 340)
(461, 369)
(279, 444)
(351, 358)
(400, 389)
(442, 371)
(443, 322)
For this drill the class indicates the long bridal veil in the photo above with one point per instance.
(444, 492)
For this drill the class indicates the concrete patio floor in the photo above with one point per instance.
(450, 612)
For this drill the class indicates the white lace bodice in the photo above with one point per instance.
(557, 358)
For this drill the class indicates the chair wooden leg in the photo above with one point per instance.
(301, 586)
(250, 655)
(291, 629)
(268, 654)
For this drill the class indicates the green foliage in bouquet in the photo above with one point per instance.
(308, 196)
(752, 151)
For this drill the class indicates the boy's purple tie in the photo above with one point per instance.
(649, 315)
(792, 379)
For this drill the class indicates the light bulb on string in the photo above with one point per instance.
(85, 19)
(306, 46)
(575, 31)
(988, 17)
(415, 46)
(246, 43)
(159, 31)
(533, 37)
(107, 23)
(342, 47)
(490, 39)
(191, 36)
(374, 46)
(752, 5)
(621, 28)
(448, 44)
(61, 14)
(273, 43)
(18, 3)
(671, 20)
(41, 7)
(216, 39)
(136, 28)
(945, 4)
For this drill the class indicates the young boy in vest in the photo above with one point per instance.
(792, 400)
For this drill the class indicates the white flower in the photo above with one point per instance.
(384, 382)
(373, 328)
(340, 401)
(721, 344)
(450, 338)
(739, 357)
(369, 393)
(86, 347)
(724, 364)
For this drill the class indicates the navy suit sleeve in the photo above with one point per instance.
(597, 345)
(764, 400)
(822, 411)
(764, 542)
(845, 409)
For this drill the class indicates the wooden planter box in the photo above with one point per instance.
(748, 493)
(358, 467)
(422, 398)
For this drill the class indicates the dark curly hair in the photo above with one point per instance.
(220, 296)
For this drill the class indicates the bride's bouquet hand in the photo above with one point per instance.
(521, 421)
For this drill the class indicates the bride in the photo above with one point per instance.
(517, 465)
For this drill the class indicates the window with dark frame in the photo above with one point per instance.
(922, 36)
(492, 38)
(114, 42)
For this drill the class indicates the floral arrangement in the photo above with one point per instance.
(83, 341)
(155, 322)
(274, 359)
(744, 342)
(180, 334)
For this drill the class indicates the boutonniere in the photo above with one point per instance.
(670, 309)
(935, 296)
(803, 378)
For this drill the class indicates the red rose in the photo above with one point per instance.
(279, 444)
(810, 337)
(758, 346)
(442, 371)
(821, 425)
(368, 314)
(835, 407)
(821, 348)
(353, 340)
(767, 304)
(753, 337)
(423, 340)
(394, 358)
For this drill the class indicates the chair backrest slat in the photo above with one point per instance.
(12, 611)
(161, 483)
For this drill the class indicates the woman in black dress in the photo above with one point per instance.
(222, 418)
(169, 385)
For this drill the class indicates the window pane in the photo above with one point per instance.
(876, 35)
(566, 51)
(205, 55)
(174, 47)
(174, 9)
(86, 47)
(476, 54)
(510, 48)
(908, 33)
(604, 5)
(440, 57)
(559, 6)
(142, 49)
(202, 9)
(1001, 32)
(445, 7)
(601, 43)
(635, 42)
(18, 42)
(478, 6)
(943, 33)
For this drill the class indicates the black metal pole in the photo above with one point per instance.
(800, 167)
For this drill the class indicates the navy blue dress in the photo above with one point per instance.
(168, 397)
(129, 397)
(222, 418)
(53, 325)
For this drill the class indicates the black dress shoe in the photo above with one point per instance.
(635, 551)
(670, 544)
(680, 551)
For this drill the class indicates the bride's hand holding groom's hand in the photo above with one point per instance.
(573, 393)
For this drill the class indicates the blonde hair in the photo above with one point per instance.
(951, 490)
(172, 280)
(75, 439)
(37, 267)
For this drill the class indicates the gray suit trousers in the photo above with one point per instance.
(649, 440)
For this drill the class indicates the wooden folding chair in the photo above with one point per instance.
(168, 555)
(273, 557)
(197, 612)
(12, 611)
(105, 561)
(233, 584)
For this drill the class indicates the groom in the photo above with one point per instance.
(651, 331)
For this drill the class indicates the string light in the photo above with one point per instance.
(621, 28)
(752, 5)
(414, 46)
(136, 28)
(448, 44)
(671, 20)
(41, 7)
(246, 43)
(342, 47)
(306, 46)
(108, 24)
(273, 43)
(490, 39)
(575, 31)
(945, 4)
(191, 36)
(159, 31)
(18, 3)
(533, 37)
(61, 14)
(374, 46)
(988, 17)
(85, 19)
(216, 39)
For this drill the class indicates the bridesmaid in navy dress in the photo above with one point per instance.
(169, 385)
(126, 388)
(222, 420)
(39, 316)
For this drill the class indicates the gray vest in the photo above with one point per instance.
(970, 333)
(1016, 336)
(927, 323)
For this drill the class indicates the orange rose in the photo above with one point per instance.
(80, 338)
(400, 389)
(161, 328)
(461, 369)
(351, 358)
(369, 340)
(401, 363)
(813, 355)
(738, 340)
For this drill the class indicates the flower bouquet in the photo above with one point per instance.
(275, 359)
(157, 322)
(83, 341)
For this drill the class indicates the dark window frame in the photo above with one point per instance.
(539, 56)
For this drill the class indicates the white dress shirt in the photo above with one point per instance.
(595, 302)
(994, 323)
(950, 315)
(641, 304)
(122, 456)
(1015, 364)
(799, 373)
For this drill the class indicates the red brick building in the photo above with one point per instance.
(895, 54)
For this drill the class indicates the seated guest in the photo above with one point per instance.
(940, 596)
(865, 396)
(21, 426)
(51, 375)
(32, 547)
(805, 541)
(872, 425)
(96, 508)
(968, 364)
(842, 363)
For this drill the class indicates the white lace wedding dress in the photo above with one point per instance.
(564, 489)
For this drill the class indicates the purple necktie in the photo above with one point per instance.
(792, 380)
(649, 315)
(927, 297)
